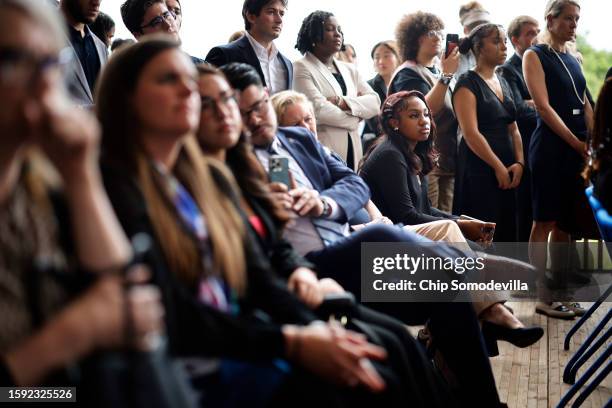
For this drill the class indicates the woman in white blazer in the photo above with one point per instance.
(341, 97)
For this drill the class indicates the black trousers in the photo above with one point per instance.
(454, 326)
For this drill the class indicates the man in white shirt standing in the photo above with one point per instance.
(263, 21)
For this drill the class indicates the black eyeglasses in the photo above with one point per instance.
(19, 67)
(260, 107)
(210, 104)
(166, 16)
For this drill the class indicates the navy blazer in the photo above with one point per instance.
(328, 176)
(242, 51)
(512, 71)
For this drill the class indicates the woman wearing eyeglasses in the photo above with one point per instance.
(215, 283)
(341, 97)
(419, 37)
(220, 136)
(57, 228)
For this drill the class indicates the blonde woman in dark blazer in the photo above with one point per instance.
(341, 97)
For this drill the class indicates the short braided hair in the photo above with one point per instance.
(311, 31)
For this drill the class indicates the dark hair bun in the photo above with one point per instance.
(465, 45)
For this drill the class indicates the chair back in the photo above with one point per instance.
(602, 217)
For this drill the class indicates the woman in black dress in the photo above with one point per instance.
(557, 150)
(491, 153)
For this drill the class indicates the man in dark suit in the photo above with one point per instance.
(522, 31)
(263, 21)
(89, 53)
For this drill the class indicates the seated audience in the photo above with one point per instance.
(340, 96)
(58, 232)
(220, 137)
(327, 193)
(294, 109)
(215, 282)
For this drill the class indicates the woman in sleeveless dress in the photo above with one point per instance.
(557, 150)
(491, 153)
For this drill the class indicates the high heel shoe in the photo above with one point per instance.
(521, 337)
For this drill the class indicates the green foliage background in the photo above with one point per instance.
(596, 64)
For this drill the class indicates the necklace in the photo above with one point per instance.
(582, 100)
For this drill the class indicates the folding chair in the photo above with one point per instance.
(604, 222)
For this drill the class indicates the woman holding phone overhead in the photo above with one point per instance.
(490, 163)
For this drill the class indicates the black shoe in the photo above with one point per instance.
(579, 279)
(521, 337)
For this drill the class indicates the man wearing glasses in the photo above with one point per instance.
(263, 22)
(143, 17)
(89, 53)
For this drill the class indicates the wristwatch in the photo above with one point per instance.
(327, 208)
(446, 78)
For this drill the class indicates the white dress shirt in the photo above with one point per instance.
(274, 70)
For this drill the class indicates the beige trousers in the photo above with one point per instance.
(449, 231)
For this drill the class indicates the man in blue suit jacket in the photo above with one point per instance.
(263, 21)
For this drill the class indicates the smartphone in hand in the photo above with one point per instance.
(278, 170)
(452, 42)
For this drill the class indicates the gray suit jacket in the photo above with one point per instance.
(75, 79)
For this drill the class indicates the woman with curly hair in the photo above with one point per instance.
(419, 36)
(341, 97)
